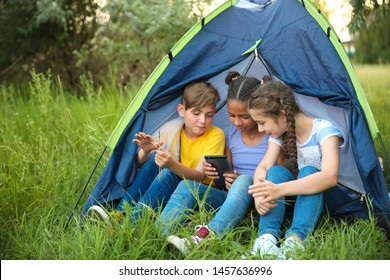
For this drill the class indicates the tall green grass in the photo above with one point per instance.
(375, 81)
(49, 143)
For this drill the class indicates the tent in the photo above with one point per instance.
(289, 40)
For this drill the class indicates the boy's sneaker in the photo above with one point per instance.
(184, 245)
(291, 246)
(265, 246)
(97, 212)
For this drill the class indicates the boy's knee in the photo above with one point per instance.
(185, 185)
(184, 189)
(181, 185)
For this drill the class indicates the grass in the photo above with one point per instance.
(49, 143)
(376, 85)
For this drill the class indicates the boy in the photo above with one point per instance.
(188, 139)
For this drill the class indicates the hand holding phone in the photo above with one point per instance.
(222, 165)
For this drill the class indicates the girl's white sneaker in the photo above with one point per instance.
(290, 247)
(265, 246)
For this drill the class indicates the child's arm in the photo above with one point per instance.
(166, 160)
(230, 177)
(269, 160)
(214, 145)
(312, 184)
(142, 156)
(146, 144)
(273, 154)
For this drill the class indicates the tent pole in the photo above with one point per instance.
(248, 66)
(384, 150)
(85, 186)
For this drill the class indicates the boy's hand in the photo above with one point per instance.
(146, 142)
(209, 170)
(163, 158)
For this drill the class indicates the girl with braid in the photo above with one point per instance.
(245, 147)
(311, 151)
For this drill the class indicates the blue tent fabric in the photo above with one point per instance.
(296, 51)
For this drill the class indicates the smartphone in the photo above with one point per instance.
(221, 163)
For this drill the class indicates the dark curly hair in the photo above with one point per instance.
(240, 88)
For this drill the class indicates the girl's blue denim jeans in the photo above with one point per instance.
(307, 208)
(233, 204)
(149, 188)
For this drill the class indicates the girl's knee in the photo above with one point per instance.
(242, 181)
(241, 184)
(307, 170)
(239, 189)
(278, 174)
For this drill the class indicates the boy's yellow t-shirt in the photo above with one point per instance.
(212, 142)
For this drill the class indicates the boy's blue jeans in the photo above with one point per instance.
(233, 204)
(149, 188)
(307, 209)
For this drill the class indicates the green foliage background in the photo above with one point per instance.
(73, 37)
(368, 48)
(127, 39)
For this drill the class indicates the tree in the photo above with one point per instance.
(365, 12)
(137, 34)
(72, 37)
(43, 34)
(371, 29)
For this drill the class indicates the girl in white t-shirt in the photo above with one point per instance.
(311, 149)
